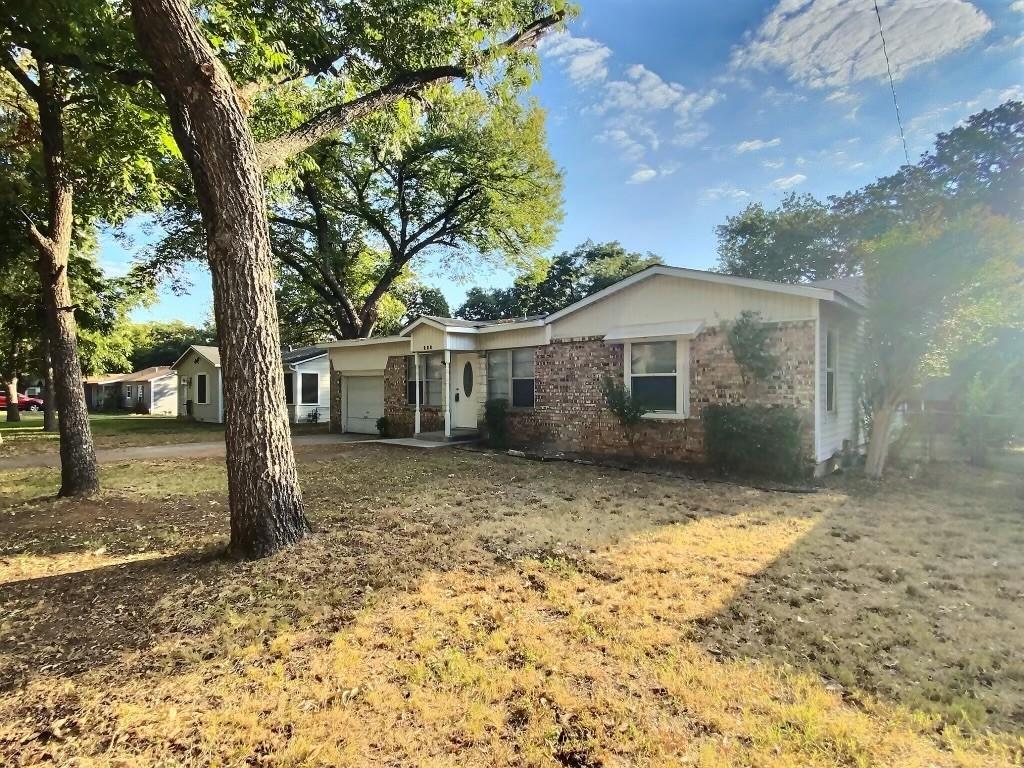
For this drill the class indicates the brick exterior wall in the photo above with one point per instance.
(400, 415)
(570, 415)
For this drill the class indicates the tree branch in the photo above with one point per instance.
(276, 151)
(20, 76)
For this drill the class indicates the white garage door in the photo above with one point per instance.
(364, 403)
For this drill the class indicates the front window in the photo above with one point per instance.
(510, 376)
(289, 389)
(652, 374)
(431, 379)
(201, 389)
(310, 388)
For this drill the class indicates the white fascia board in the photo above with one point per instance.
(362, 342)
(651, 331)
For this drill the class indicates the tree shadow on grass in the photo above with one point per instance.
(922, 608)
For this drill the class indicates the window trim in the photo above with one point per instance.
(511, 378)
(682, 375)
(410, 377)
(831, 404)
(307, 373)
(206, 386)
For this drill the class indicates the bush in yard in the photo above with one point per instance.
(384, 426)
(496, 418)
(748, 339)
(754, 440)
(626, 408)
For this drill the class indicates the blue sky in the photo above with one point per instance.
(667, 115)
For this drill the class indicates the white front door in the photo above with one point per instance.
(465, 392)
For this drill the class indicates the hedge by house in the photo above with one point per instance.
(754, 440)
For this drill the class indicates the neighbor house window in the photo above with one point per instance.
(510, 377)
(140, 391)
(289, 389)
(830, 372)
(431, 379)
(201, 389)
(310, 388)
(652, 375)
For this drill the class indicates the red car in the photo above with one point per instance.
(25, 403)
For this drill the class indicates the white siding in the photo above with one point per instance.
(520, 337)
(165, 393)
(664, 299)
(297, 411)
(426, 338)
(365, 358)
(838, 425)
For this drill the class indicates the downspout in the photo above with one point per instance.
(817, 382)
(447, 392)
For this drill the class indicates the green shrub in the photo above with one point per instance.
(748, 338)
(627, 409)
(755, 440)
(496, 418)
(384, 426)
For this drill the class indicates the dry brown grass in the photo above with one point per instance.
(467, 609)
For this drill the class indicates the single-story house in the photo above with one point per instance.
(307, 384)
(660, 331)
(151, 390)
(200, 384)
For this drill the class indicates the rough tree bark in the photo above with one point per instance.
(211, 129)
(78, 468)
(11, 390)
(882, 419)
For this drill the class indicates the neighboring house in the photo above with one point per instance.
(307, 384)
(151, 390)
(659, 330)
(200, 384)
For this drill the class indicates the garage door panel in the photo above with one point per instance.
(364, 403)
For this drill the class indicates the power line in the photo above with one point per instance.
(892, 83)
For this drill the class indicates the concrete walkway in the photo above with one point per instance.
(168, 451)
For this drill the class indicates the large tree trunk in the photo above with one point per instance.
(882, 419)
(11, 388)
(79, 472)
(213, 134)
(49, 406)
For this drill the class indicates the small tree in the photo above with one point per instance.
(627, 409)
(748, 339)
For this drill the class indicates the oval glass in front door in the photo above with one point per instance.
(467, 378)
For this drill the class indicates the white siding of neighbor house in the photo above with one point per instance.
(190, 369)
(836, 426)
(664, 299)
(165, 395)
(297, 412)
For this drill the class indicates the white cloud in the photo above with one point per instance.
(833, 43)
(773, 164)
(690, 136)
(1017, 5)
(642, 90)
(723, 192)
(584, 59)
(642, 175)
(756, 145)
(921, 129)
(788, 182)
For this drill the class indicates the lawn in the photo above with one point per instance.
(460, 608)
(117, 431)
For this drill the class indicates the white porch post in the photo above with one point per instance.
(416, 362)
(447, 393)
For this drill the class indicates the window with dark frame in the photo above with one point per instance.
(652, 375)
(310, 389)
(830, 373)
(511, 376)
(289, 388)
(201, 389)
(431, 379)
